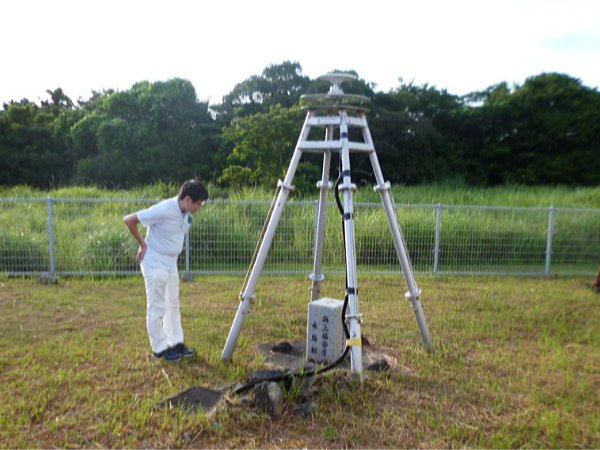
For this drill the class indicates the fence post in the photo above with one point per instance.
(52, 273)
(549, 240)
(438, 228)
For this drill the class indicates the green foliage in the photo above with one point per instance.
(236, 176)
(543, 132)
(262, 145)
(279, 84)
(154, 131)
(33, 146)
(540, 133)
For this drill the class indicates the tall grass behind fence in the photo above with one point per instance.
(90, 236)
(575, 241)
(69, 236)
(493, 240)
(24, 242)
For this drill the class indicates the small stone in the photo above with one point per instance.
(268, 396)
(381, 365)
(246, 401)
(47, 279)
(306, 409)
(283, 347)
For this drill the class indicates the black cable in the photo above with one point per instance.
(336, 192)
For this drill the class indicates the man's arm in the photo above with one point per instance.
(132, 221)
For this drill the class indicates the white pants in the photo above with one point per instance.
(163, 318)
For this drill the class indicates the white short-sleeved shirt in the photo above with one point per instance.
(167, 227)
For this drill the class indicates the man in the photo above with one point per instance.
(167, 223)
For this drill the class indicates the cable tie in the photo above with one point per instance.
(356, 342)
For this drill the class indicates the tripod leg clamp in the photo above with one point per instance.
(410, 297)
(357, 317)
(382, 187)
(324, 186)
(250, 299)
(347, 187)
(287, 187)
(314, 277)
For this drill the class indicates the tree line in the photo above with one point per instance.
(543, 132)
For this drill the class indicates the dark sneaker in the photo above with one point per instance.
(184, 351)
(169, 355)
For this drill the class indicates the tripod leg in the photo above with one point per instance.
(324, 185)
(353, 315)
(413, 290)
(264, 247)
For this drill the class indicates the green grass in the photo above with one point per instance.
(516, 365)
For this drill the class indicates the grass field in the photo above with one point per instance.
(516, 364)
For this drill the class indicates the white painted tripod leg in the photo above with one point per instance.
(324, 185)
(265, 246)
(353, 315)
(413, 290)
(256, 270)
(236, 327)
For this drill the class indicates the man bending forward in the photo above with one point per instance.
(167, 223)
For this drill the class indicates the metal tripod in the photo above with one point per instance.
(338, 118)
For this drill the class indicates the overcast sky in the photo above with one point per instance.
(458, 45)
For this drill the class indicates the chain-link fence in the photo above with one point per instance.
(59, 236)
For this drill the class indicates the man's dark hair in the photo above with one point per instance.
(195, 189)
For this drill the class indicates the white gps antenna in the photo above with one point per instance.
(336, 96)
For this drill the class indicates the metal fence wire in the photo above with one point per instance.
(82, 236)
